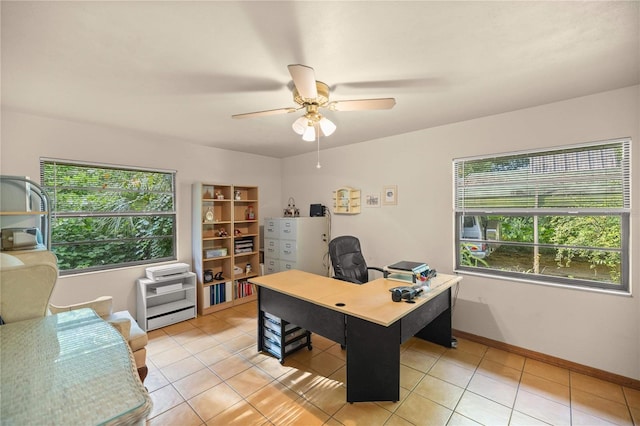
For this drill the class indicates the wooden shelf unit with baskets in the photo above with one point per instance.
(226, 244)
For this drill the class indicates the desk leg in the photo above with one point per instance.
(260, 333)
(373, 361)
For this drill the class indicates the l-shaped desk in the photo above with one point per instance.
(364, 319)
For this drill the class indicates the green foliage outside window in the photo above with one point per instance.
(599, 231)
(105, 217)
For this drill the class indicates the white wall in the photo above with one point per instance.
(26, 138)
(598, 330)
(593, 329)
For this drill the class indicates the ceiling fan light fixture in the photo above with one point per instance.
(309, 134)
(300, 125)
(327, 126)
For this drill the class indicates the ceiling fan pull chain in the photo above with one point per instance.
(318, 138)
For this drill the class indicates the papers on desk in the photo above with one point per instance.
(403, 278)
(409, 272)
(407, 266)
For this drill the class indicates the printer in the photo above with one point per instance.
(20, 238)
(158, 273)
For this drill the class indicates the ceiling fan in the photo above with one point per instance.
(311, 95)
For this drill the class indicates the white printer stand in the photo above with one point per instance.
(165, 299)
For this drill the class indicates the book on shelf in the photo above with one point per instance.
(220, 293)
(244, 288)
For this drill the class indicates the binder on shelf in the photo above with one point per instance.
(217, 294)
(244, 289)
(220, 293)
(206, 301)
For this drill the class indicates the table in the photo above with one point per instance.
(69, 368)
(364, 319)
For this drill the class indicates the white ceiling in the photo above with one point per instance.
(181, 69)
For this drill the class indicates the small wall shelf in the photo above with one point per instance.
(346, 200)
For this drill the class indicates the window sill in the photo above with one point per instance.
(623, 293)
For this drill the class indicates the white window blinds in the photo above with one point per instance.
(593, 177)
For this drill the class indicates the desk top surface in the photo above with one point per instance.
(69, 368)
(370, 301)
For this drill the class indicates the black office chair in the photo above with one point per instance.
(348, 261)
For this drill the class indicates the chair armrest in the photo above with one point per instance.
(138, 338)
(102, 305)
(375, 268)
(123, 325)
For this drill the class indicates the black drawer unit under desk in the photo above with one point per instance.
(280, 338)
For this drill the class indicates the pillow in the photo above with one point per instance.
(6, 261)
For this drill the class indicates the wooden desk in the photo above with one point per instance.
(364, 319)
(69, 368)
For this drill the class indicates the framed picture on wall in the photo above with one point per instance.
(390, 197)
(372, 199)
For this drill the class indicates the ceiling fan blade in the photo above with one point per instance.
(305, 80)
(362, 104)
(265, 113)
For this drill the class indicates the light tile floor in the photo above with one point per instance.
(208, 371)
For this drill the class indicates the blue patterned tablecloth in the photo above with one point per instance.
(72, 368)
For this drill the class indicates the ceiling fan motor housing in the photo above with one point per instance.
(322, 99)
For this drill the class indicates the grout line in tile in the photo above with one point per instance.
(304, 394)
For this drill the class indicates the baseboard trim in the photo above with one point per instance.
(559, 362)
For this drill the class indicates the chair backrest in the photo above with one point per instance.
(347, 259)
(27, 280)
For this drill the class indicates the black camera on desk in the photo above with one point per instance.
(406, 293)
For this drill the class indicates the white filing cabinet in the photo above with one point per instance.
(166, 301)
(296, 243)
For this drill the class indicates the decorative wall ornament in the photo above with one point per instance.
(372, 199)
(390, 195)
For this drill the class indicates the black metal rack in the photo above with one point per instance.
(279, 337)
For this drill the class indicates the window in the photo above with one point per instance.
(558, 216)
(105, 217)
